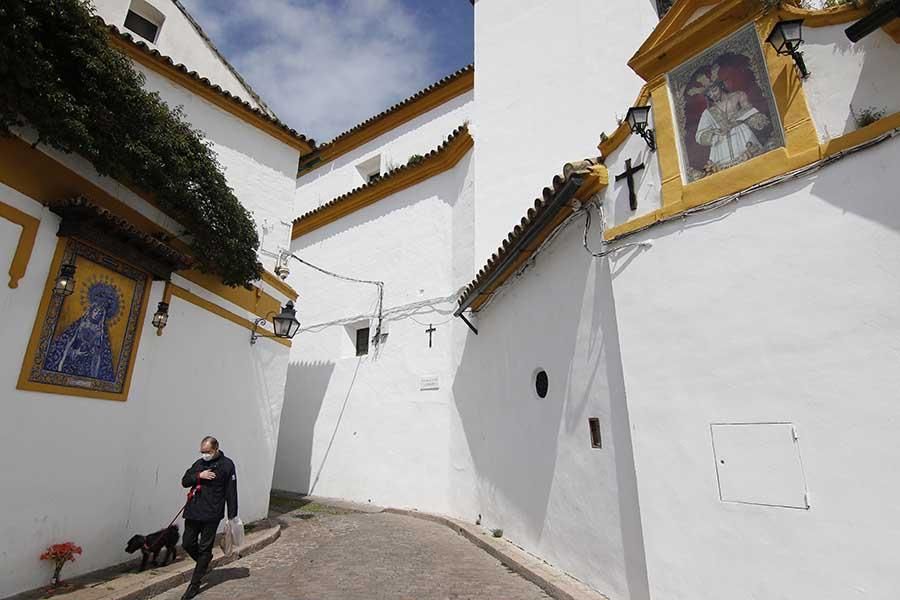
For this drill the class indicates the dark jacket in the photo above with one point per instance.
(208, 502)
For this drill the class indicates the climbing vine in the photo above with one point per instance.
(61, 78)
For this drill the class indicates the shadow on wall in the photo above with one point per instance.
(304, 393)
(513, 434)
(537, 476)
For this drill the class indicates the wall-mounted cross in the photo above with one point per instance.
(430, 331)
(629, 174)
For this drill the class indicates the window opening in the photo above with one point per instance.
(143, 27)
(362, 341)
(594, 426)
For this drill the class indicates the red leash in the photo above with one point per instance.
(161, 536)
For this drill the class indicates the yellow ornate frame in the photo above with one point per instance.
(676, 40)
(28, 385)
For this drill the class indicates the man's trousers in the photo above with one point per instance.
(198, 540)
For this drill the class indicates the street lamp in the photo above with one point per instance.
(285, 324)
(638, 119)
(65, 282)
(786, 38)
(161, 317)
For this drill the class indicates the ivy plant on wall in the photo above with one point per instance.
(62, 79)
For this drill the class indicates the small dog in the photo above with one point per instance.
(153, 544)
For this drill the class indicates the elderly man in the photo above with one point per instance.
(214, 482)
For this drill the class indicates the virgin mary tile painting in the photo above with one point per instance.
(725, 111)
(88, 339)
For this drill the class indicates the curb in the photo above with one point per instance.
(554, 582)
(140, 586)
(168, 581)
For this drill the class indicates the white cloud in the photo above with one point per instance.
(322, 65)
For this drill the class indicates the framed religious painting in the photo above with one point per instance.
(84, 343)
(724, 108)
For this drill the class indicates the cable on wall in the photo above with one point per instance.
(376, 340)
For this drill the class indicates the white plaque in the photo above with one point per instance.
(429, 382)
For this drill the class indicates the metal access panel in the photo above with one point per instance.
(759, 463)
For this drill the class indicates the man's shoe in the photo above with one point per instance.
(191, 592)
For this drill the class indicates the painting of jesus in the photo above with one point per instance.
(724, 106)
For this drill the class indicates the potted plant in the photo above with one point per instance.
(60, 554)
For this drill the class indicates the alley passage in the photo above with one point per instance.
(339, 555)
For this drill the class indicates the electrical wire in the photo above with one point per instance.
(712, 205)
(380, 285)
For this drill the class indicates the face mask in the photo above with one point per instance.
(207, 457)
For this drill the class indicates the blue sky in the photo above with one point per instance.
(325, 65)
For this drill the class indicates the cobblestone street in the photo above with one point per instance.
(347, 556)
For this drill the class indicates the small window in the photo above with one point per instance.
(541, 383)
(370, 169)
(141, 26)
(362, 341)
(594, 426)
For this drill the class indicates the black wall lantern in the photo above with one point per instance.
(65, 282)
(161, 317)
(284, 323)
(638, 119)
(786, 38)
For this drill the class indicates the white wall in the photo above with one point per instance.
(551, 76)
(96, 472)
(179, 40)
(781, 307)
(418, 136)
(863, 75)
(361, 428)
(538, 478)
(260, 169)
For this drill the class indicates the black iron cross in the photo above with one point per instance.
(629, 174)
(430, 331)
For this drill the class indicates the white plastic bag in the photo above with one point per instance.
(227, 541)
(237, 532)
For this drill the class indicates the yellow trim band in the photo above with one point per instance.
(43, 179)
(215, 309)
(421, 105)
(435, 164)
(25, 245)
(218, 99)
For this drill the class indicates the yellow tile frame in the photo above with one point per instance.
(25, 384)
(801, 147)
(25, 245)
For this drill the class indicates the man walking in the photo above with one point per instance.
(214, 482)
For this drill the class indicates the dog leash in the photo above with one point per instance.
(190, 496)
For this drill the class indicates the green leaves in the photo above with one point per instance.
(61, 77)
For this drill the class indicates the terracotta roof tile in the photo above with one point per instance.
(526, 224)
(243, 104)
(434, 86)
(384, 179)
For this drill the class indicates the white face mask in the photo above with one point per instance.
(208, 457)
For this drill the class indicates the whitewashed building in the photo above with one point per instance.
(94, 468)
(681, 385)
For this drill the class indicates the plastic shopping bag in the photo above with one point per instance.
(237, 532)
(227, 542)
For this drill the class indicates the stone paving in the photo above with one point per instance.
(348, 556)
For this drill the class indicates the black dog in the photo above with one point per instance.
(153, 544)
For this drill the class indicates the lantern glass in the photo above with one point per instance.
(161, 318)
(638, 118)
(787, 36)
(65, 283)
(285, 323)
